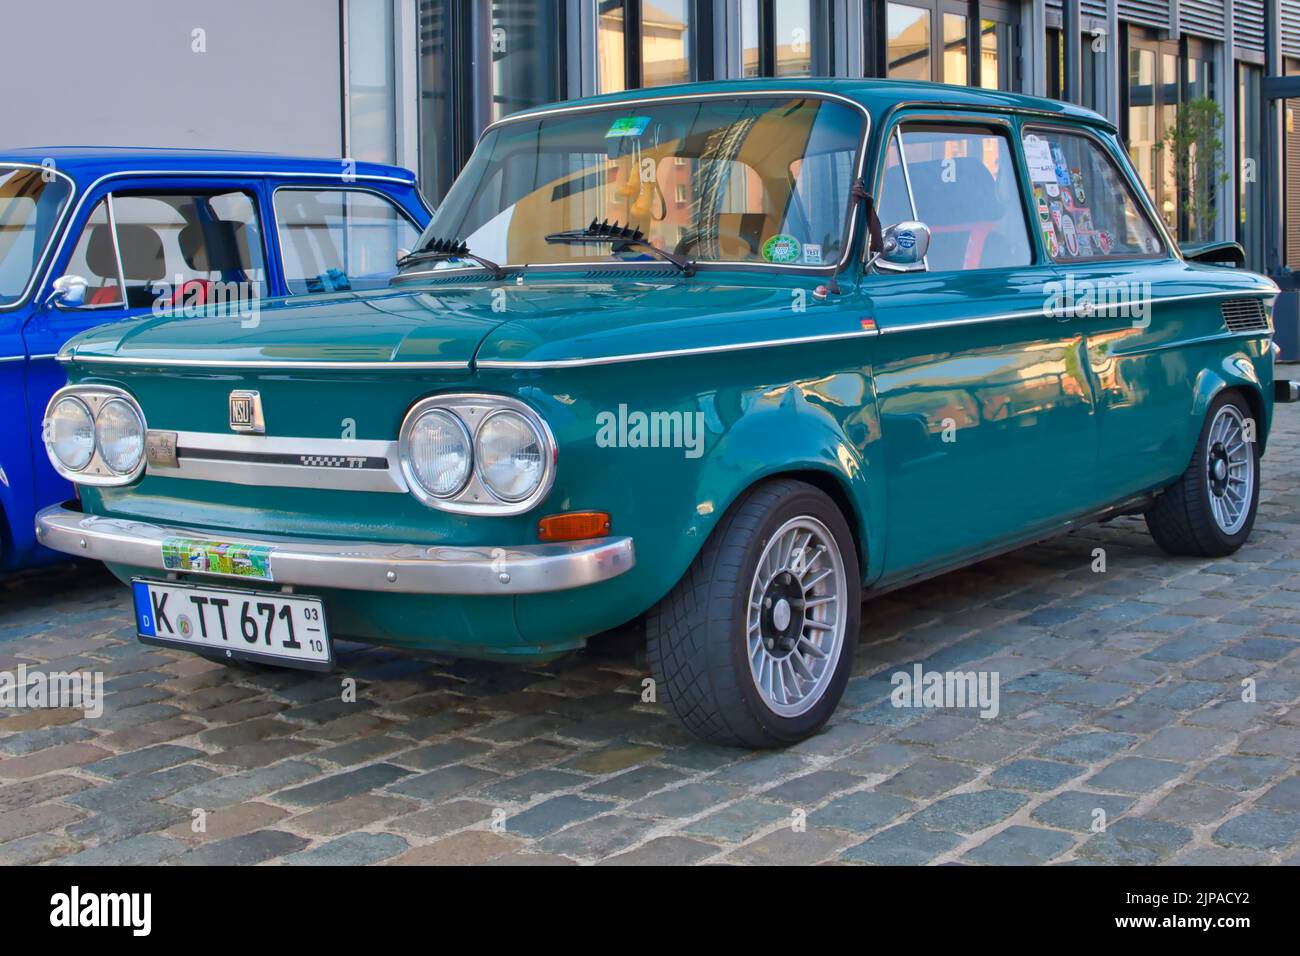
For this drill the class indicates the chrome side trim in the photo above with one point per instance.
(14, 358)
(353, 565)
(214, 456)
(673, 353)
(287, 364)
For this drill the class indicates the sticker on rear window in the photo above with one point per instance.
(782, 248)
(218, 557)
(628, 126)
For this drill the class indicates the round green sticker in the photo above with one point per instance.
(782, 248)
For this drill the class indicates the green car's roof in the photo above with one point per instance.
(877, 96)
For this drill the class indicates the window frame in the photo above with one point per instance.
(329, 188)
(71, 205)
(249, 190)
(1128, 175)
(994, 123)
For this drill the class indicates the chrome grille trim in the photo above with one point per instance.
(339, 464)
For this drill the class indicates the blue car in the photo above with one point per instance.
(92, 235)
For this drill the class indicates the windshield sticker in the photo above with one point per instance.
(216, 557)
(628, 126)
(812, 253)
(1062, 168)
(1080, 196)
(1049, 234)
(1052, 190)
(1038, 155)
(781, 249)
(1071, 238)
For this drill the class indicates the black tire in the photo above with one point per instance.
(1183, 520)
(696, 637)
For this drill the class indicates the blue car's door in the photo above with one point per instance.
(142, 246)
(34, 202)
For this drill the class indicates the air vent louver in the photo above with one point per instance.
(1244, 315)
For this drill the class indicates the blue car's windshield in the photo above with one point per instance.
(31, 201)
(749, 178)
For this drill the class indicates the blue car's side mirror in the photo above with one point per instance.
(69, 292)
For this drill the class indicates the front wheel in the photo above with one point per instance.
(753, 647)
(1210, 510)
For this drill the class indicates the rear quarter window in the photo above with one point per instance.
(1084, 205)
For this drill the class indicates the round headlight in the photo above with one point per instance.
(70, 434)
(510, 454)
(120, 433)
(438, 453)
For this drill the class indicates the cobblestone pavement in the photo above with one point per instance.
(1121, 702)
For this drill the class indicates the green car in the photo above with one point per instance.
(730, 358)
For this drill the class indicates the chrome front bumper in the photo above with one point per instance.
(351, 565)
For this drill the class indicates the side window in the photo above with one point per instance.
(339, 239)
(1086, 207)
(170, 246)
(95, 260)
(961, 182)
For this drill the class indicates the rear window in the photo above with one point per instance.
(1085, 207)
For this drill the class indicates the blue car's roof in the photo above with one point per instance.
(94, 161)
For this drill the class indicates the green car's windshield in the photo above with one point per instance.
(31, 201)
(754, 179)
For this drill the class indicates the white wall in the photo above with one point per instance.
(124, 73)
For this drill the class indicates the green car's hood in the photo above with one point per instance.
(456, 323)
(391, 325)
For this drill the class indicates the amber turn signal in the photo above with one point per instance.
(573, 526)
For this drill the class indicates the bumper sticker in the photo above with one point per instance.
(216, 557)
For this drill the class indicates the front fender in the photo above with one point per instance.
(831, 433)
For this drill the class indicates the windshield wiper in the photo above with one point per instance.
(449, 249)
(621, 238)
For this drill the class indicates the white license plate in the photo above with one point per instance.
(282, 629)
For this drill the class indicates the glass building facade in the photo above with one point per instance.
(424, 77)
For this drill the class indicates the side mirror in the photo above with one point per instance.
(905, 247)
(69, 292)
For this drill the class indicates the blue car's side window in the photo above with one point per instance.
(171, 249)
(336, 239)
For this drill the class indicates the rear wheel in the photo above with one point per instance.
(754, 645)
(1211, 509)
